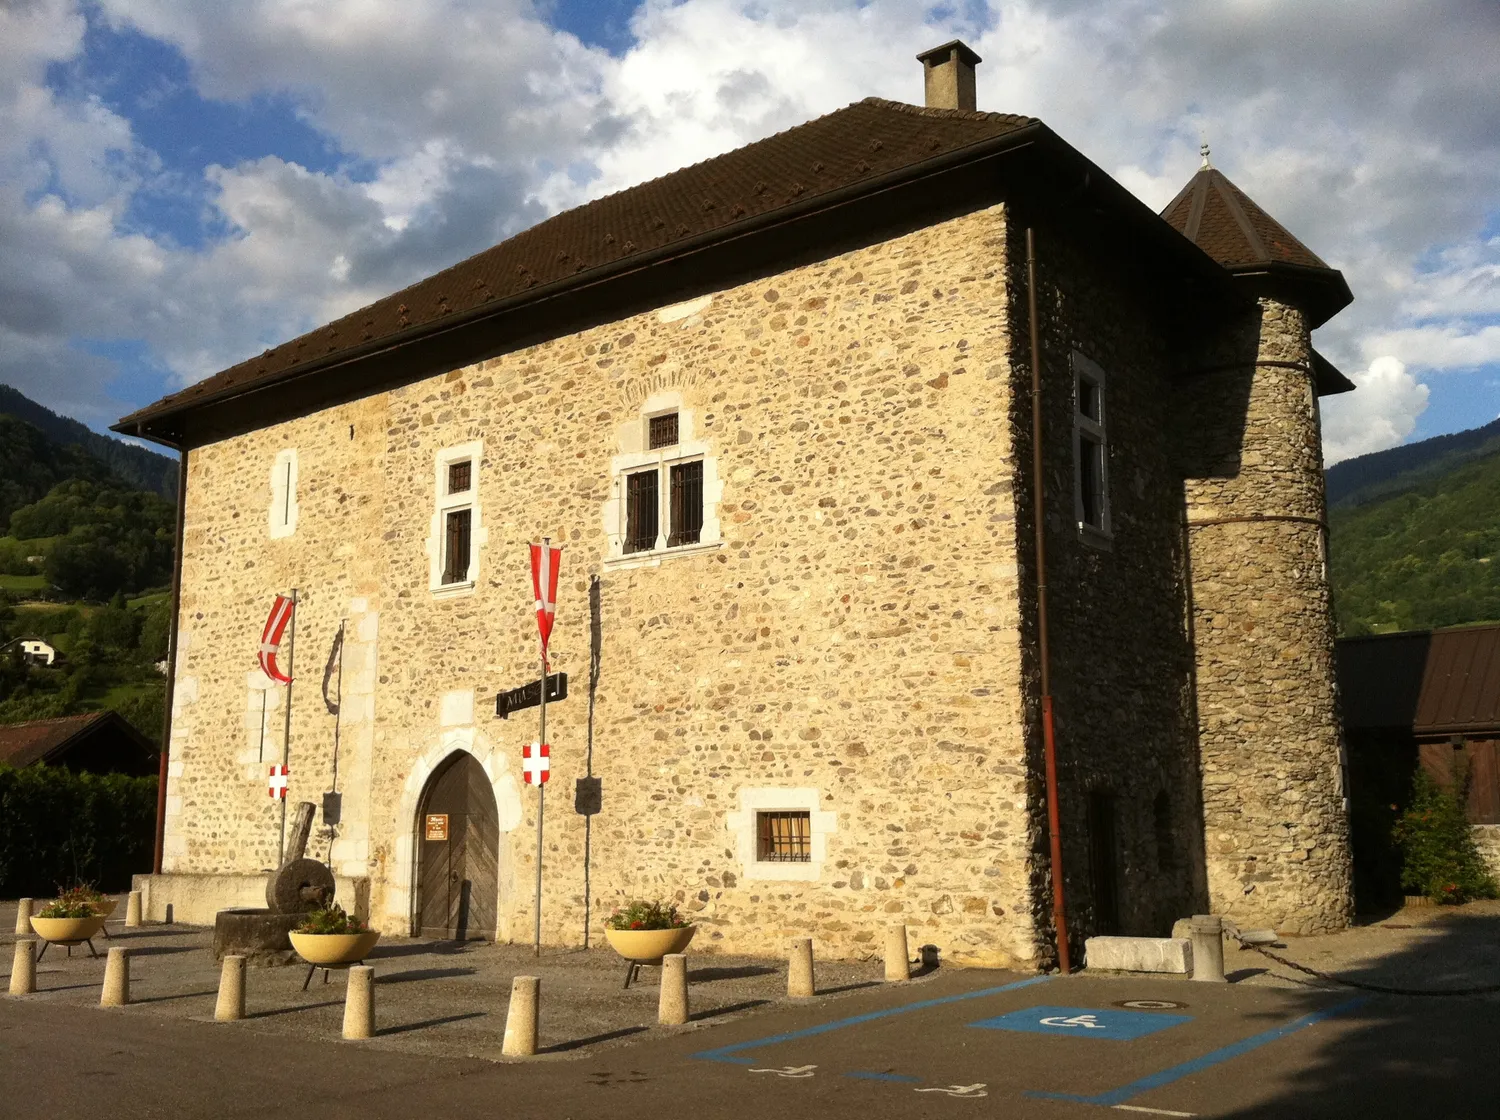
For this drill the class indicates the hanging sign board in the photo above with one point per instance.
(436, 827)
(530, 695)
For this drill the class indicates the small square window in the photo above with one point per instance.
(460, 476)
(784, 837)
(662, 431)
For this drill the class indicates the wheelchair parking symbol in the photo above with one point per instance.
(1084, 1022)
(1089, 1022)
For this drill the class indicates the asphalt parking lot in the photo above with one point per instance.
(952, 1042)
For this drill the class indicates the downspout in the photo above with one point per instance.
(166, 733)
(1049, 741)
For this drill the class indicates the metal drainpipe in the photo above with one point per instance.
(1049, 742)
(166, 734)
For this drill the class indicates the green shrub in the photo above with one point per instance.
(58, 828)
(647, 915)
(332, 920)
(1438, 855)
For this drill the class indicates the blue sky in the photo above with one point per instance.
(183, 184)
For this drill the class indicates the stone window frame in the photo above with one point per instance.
(635, 456)
(281, 513)
(743, 826)
(1087, 429)
(443, 504)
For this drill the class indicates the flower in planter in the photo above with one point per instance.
(72, 902)
(647, 915)
(332, 920)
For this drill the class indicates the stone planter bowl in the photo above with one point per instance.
(648, 946)
(106, 906)
(329, 950)
(67, 931)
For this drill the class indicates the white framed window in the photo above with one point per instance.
(665, 492)
(453, 545)
(282, 512)
(781, 834)
(1090, 450)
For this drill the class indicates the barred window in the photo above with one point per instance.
(784, 837)
(662, 431)
(641, 511)
(687, 503)
(457, 546)
(460, 477)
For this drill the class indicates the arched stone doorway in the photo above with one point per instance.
(458, 852)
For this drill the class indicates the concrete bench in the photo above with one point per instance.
(1139, 954)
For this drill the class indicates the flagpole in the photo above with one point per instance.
(541, 787)
(286, 738)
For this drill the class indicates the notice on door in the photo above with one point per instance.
(437, 826)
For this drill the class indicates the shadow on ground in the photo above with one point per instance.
(1403, 1055)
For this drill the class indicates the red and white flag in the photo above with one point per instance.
(545, 560)
(270, 638)
(536, 763)
(277, 782)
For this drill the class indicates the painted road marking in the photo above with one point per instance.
(968, 1092)
(867, 1075)
(1152, 1111)
(1116, 1097)
(730, 1053)
(1085, 1022)
(789, 1071)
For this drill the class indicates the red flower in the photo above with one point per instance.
(635, 925)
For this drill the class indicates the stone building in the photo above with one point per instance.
(778, 404)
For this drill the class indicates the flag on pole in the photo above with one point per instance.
(270, 638)
(545, 561)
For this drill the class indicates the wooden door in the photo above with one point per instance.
(458, 831)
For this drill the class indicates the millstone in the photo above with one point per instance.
(300, 886)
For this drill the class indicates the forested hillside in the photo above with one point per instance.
(1415, 542)
(139, 468)
(85, 559)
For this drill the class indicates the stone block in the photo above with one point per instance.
(1138, 954)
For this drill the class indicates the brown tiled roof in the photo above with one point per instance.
(1461, 685)
(1225, 223)
(21, 744)
(866, 140)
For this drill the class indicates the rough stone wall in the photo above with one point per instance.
(1120, 663)
(1276, 822)
(856, 634)
(1487, 840)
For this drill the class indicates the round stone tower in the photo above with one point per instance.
(1276, 832)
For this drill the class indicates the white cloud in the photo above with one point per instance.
(1371, 131)
(1380, 413)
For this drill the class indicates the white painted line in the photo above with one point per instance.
(1153, 1111)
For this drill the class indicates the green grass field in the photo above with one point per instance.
(22, 584)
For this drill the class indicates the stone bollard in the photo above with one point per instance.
(672, 1009)
(133, 910)
(359, 1002)
(116, 992)
(23, 971)
(231, 1005)
(1207, 933)
(521, 1017)
(23, 917)
(897, 963)
(799, 972)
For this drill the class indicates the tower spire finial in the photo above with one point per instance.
(1203, 151)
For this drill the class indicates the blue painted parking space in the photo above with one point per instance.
(979, 1043)
(1093, 1023)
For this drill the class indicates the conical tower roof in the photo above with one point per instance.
(1226, 223)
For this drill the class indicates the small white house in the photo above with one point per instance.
(37, 651)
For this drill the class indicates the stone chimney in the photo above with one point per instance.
(949, 74)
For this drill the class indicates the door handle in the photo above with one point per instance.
(453, 876)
